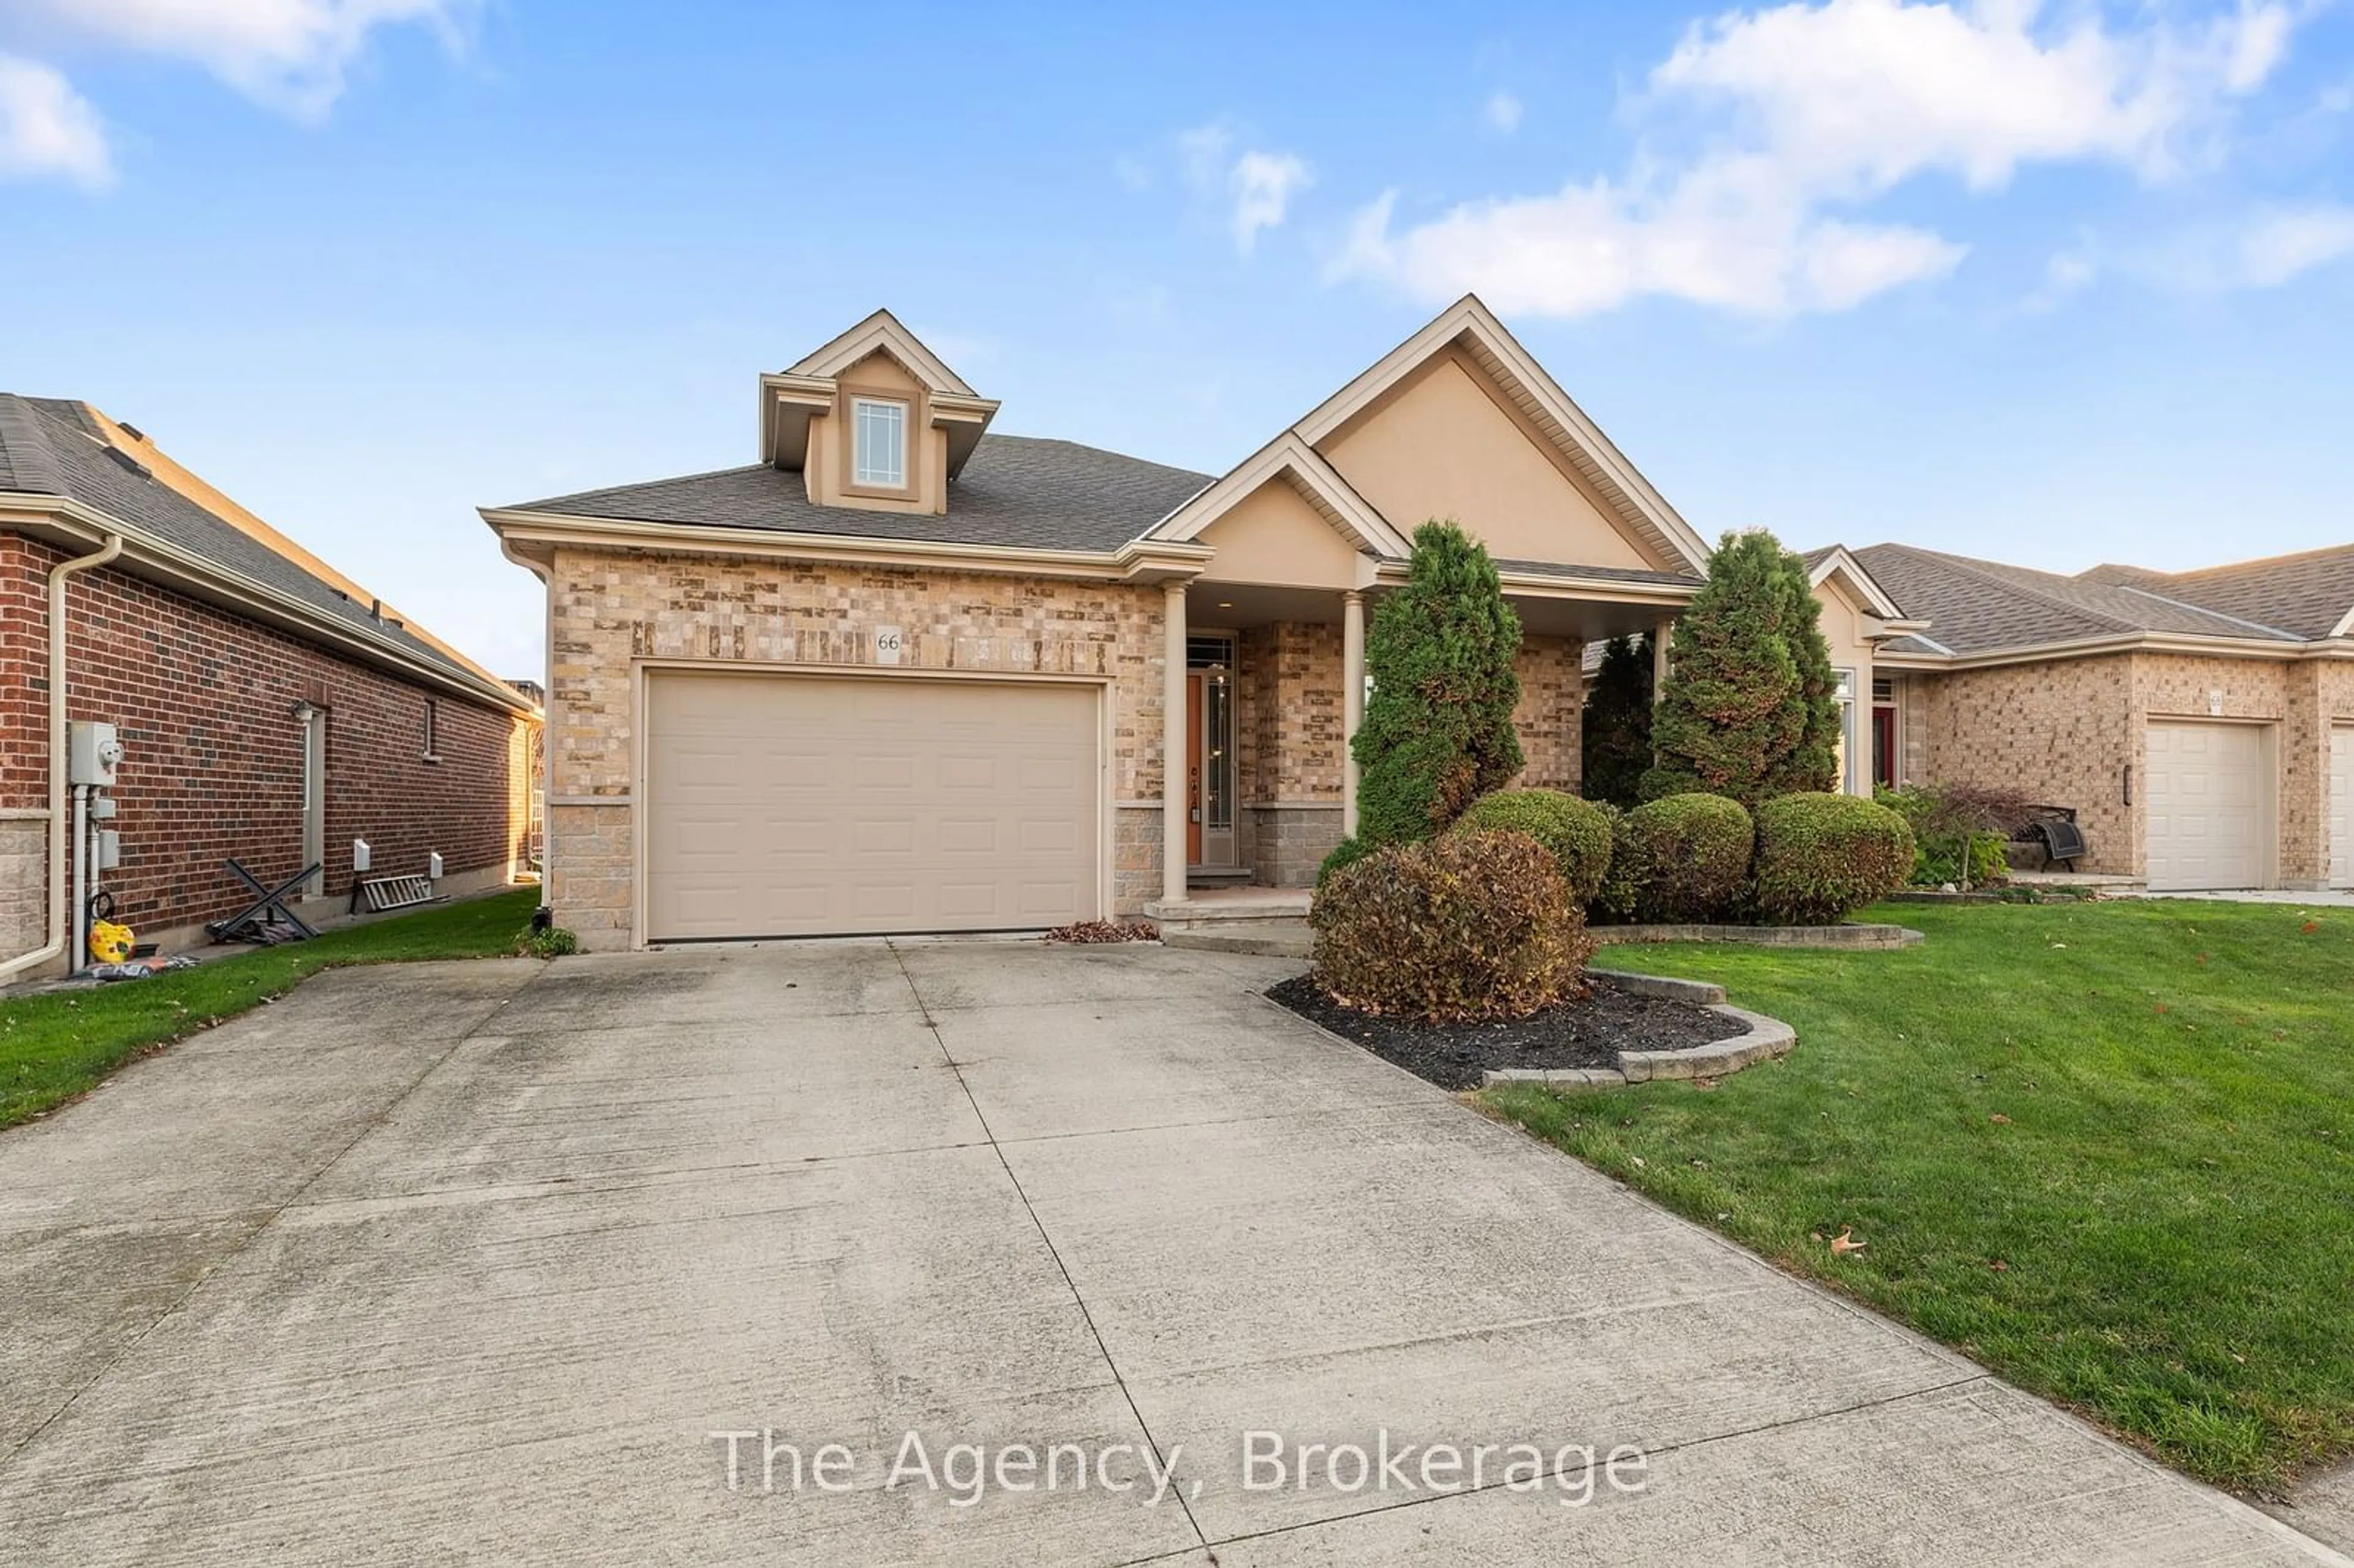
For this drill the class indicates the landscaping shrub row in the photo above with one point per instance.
(1487, 920)
(1807, 859)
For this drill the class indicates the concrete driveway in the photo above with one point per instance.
(470, 1263)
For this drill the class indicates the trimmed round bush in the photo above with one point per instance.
(1821, 856)
(1576, 832)
(1473, 926)
(1683, 858)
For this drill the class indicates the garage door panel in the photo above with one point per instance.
(968, 771)
(981, 837)
(2208, 795)
(2341, 807)
(978, 902)
(784, 805)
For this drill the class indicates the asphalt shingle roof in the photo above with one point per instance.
(1974, 606)
(51, 446)
(2306, 595)
(1019, 491)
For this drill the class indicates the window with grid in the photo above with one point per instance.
(879, 443)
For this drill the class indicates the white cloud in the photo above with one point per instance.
(2069, 271)
(293, 55)
(1264, 184)
(47, 129)
(1259, 185)
(1503, 111)
(1764, 129)
(2278, 245)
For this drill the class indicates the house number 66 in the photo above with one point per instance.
(887, 642)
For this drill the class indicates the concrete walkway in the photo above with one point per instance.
(468, 1263)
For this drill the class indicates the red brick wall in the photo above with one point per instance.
(203, 700)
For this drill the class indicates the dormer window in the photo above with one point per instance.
(878, 443)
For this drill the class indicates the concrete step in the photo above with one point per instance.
(1229, 909)
(1262, 938)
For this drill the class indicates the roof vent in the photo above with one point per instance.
(128, 429)
(127, 461)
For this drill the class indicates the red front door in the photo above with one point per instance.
(1883, 747)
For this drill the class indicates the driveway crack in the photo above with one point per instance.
(1160, 1456)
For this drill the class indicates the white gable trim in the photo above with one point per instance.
(1526, 383)
(1859, 582)
(881, 331)
(1291, 458)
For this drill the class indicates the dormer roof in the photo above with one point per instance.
(789, 398)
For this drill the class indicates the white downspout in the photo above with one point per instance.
(57, 857)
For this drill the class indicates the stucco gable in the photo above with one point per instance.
(1275, 534)
(1469, 332)
(1442, 444)
(1293, 461)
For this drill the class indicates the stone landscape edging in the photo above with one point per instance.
(1762, 935)
(1768, 1037)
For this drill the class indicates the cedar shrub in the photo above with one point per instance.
(1749, 693)
(1615, 731)
(1437, 731)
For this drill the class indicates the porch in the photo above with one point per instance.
(1266, 685)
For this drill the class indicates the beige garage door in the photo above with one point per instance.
(2209, 801)
(818, 805)
(2341, 807)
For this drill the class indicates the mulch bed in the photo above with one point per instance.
(1585, 1034)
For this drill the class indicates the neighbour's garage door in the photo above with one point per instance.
(817, 805)
(2341, 807)
(2209, 801)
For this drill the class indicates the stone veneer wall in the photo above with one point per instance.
(1548, 715)
(1293, 762)
(1297, 753)
(2062, 730)
(610, 607)
(2070, 728)
(24, 886)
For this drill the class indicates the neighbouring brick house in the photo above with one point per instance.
(270, 710)
(2200, 725)
(900, 674)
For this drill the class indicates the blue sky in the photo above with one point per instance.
(2056, 284)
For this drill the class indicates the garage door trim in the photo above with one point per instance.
(2266, 846)
(642, 672)
(2338, 813)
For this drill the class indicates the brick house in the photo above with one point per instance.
(2200, 723)
(898, 673)
(270, 709)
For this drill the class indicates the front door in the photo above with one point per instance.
(1883, 746)
(1210, 769)
(1193, 749)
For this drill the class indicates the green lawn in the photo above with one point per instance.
(59, 1044)
(2108, 1150)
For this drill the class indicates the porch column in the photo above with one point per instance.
(1661, 635)
(1173, 749)
(1352, 701)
